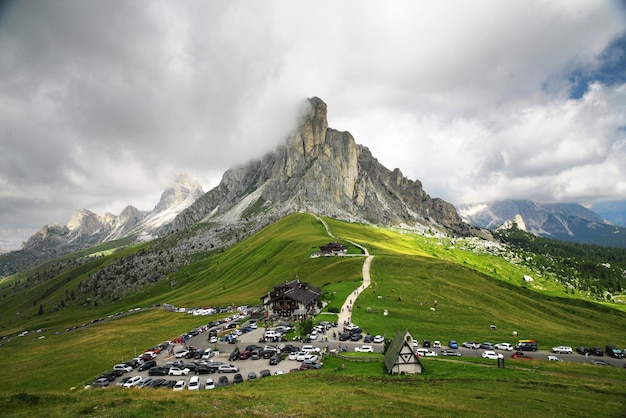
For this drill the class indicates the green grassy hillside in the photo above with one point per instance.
(473, 288)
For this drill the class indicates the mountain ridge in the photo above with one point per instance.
(569, 222)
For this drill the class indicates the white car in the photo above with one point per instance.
(302, 356)
(132, 382)
(554, 358)
(562, 349)
(210, 384)
(379, 339)
(228, 368)
(364, 349)
(194, 383)
(213, 340)
(180, 385)
(177, 371)
(503, 346)
(123, 367)
(310, 349)
(313, 335)
(430, 354)
(437, 344)
(492, 355)
(294, 356)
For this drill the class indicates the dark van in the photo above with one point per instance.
(613, 351)
(147, 365)
(526, 345)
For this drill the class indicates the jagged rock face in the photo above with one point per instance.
(184, 189)
(323, 170)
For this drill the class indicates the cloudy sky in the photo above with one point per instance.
(102, 103)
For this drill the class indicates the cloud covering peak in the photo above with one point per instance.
(102, 103)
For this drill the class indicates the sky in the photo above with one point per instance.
(103, 103)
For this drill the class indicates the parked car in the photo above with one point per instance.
(487, 346)
(613, 351)
(265, 373)
(179, 385)
(237, 378)
(600, 363)
(228, 368)
(378, 339)
(562, 349)
(596, 351)
(194, 383)
(554, 358)
(132, 382)
(426, 344)
(275, 359)
(368, 339)
(147, 365)
(437, 344)
(101, 382)
(310, 348)
(157, 371)
(356, 337)
(177, 371)
(251, 376)
(453, 344)
(471, 344)
(123, 367)
(234, 355)
(181, 353)
(306, 356)
(364, 349)
(309, 365)
(503, 346)
(145, 382)
(582, 350)
(450, 353)
(521, 355)
(222, 381)
(210, 384)
(489, 354)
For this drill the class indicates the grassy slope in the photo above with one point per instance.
(469, 300)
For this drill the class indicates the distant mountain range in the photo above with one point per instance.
(570, 222)
(87, 228)
(613, 211)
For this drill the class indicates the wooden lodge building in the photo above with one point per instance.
(401, 356)
(332, 248)
(294, 300)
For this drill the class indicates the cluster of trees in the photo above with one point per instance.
(590, 268)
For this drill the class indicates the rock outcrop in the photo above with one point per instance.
(325, 171)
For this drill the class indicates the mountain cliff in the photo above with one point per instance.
(87, 228)
(325, 171)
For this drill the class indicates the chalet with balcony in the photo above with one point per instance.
(293, 300)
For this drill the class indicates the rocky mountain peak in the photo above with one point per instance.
(325, 171)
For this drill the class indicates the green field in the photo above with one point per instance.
(409, 273)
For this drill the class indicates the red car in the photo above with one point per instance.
(520, 355)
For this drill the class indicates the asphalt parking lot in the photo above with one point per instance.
(245, 366)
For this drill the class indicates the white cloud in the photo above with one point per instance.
(102, 103)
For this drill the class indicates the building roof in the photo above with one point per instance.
(295, 290)
(400, 342)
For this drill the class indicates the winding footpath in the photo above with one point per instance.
(345, 315)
